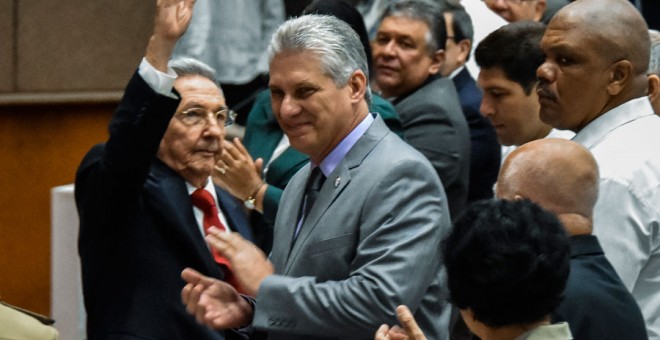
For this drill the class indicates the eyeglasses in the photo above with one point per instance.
(515, 2)
(198, 116)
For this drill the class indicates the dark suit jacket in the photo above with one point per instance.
(138, 230)
(486, 151)
(262, 134)
(433, 123)
(371, 241)
(596, 304)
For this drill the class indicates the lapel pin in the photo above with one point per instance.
(337, 181)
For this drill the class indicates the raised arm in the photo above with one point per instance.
(172, 20)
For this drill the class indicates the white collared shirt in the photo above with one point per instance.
(199, 214)
(626, 144)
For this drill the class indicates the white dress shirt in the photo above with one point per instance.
(626, 144)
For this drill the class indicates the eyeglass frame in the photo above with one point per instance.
(228, 115)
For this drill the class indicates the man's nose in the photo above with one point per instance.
(289, 107)
(545, 73)
(486, 108)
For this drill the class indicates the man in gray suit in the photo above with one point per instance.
(408, 54)
(347, 249)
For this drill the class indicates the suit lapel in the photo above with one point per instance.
(234, 214)
(330, 191)
(333, 187)
(168, 194)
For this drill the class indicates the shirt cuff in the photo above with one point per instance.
(161, 83)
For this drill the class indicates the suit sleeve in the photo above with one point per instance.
(396, 261)
(111, 176)
(436, 136)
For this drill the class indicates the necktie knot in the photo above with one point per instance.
(203, 200)
(316, 179)
(314, 184)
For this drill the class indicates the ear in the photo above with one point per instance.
(464, 46)
(539, 10)
(654, 92)
(620, 75)
(357, 84)
(437, 60)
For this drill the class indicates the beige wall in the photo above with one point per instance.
(68, 46)
(6, 45)
(63, 65)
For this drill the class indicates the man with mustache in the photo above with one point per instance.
(139, 226)
(408, 53)
(594, 82)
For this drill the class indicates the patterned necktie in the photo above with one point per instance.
(314, 184)
(203, 200)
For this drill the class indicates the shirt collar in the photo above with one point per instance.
(330, 162)
(208, 187)
(456, 72)
(597, 129)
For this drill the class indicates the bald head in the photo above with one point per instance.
(613, 23)
(558, 174)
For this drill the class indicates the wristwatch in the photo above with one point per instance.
(249, 202)
(252, 199)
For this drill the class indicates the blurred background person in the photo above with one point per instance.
(523, 10)
(485, 150)
(408, 57)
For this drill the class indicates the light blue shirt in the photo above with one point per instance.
(330, 162)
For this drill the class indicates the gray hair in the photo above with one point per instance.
(654, 62)
(333, 40)
(185, 66)
(423, 10)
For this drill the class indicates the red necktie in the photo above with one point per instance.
(203, 200)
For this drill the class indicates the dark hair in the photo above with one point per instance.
(346, 13)
(424, 10)
(461, 25)
(516, 49)
(507, 261)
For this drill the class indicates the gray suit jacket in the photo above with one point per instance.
(371, 242)
(434, 124)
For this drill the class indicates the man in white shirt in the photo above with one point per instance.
(594, 83)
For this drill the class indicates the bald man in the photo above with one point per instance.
(594, 83)
(562, 177)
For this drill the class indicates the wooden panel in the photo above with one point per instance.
(6, 45)
(73, 45)
(40, 147)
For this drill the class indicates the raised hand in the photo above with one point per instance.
(171, 21)
(172, 18)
